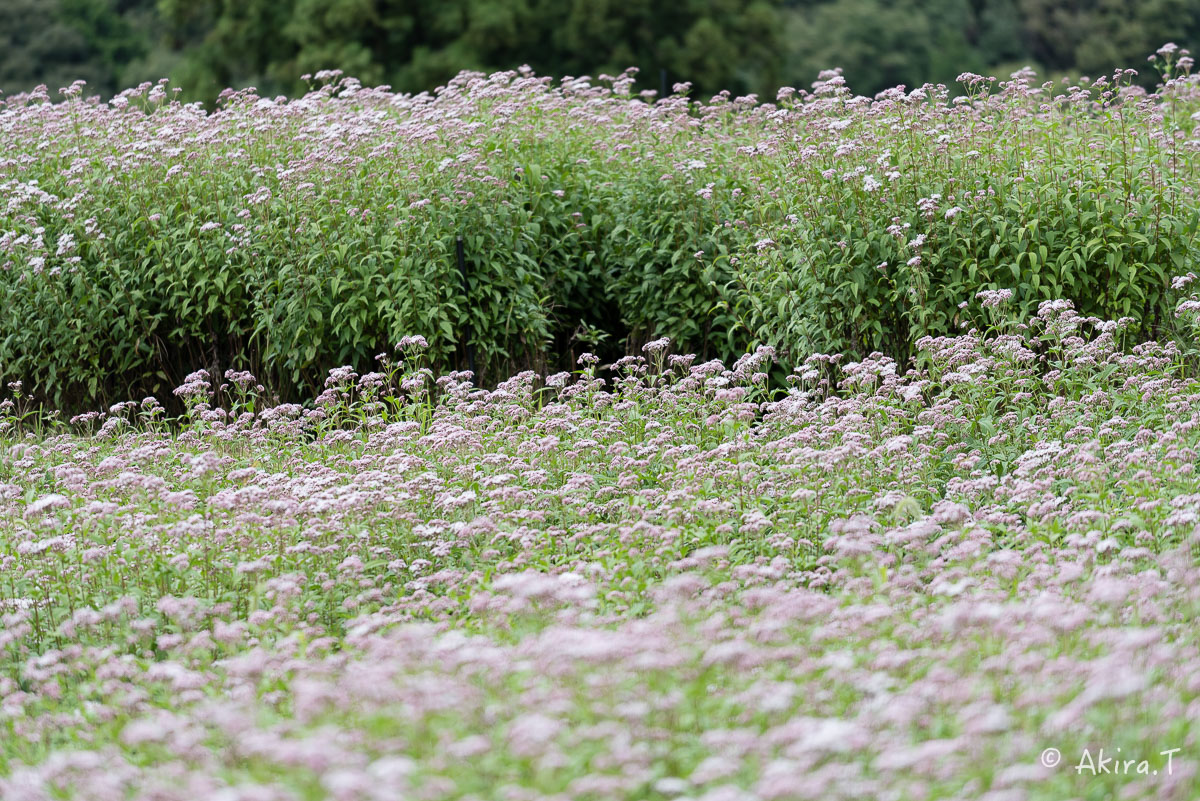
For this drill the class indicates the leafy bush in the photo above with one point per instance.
(915, 201)
(142, 237)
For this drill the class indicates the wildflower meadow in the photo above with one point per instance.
(889, 490)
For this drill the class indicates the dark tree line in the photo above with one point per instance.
(740, 45)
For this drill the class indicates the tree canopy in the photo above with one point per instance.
(742, 46)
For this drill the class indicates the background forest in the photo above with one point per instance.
(413, 45)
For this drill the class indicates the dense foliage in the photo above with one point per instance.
(671, 585)
(142, 237)
(414, 45)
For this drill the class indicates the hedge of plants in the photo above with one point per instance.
(142, 237)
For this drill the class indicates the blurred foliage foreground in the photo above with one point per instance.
(415, 45)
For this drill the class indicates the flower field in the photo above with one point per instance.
(917, 518)
(665, 583)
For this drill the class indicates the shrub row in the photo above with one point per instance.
(142, 238)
